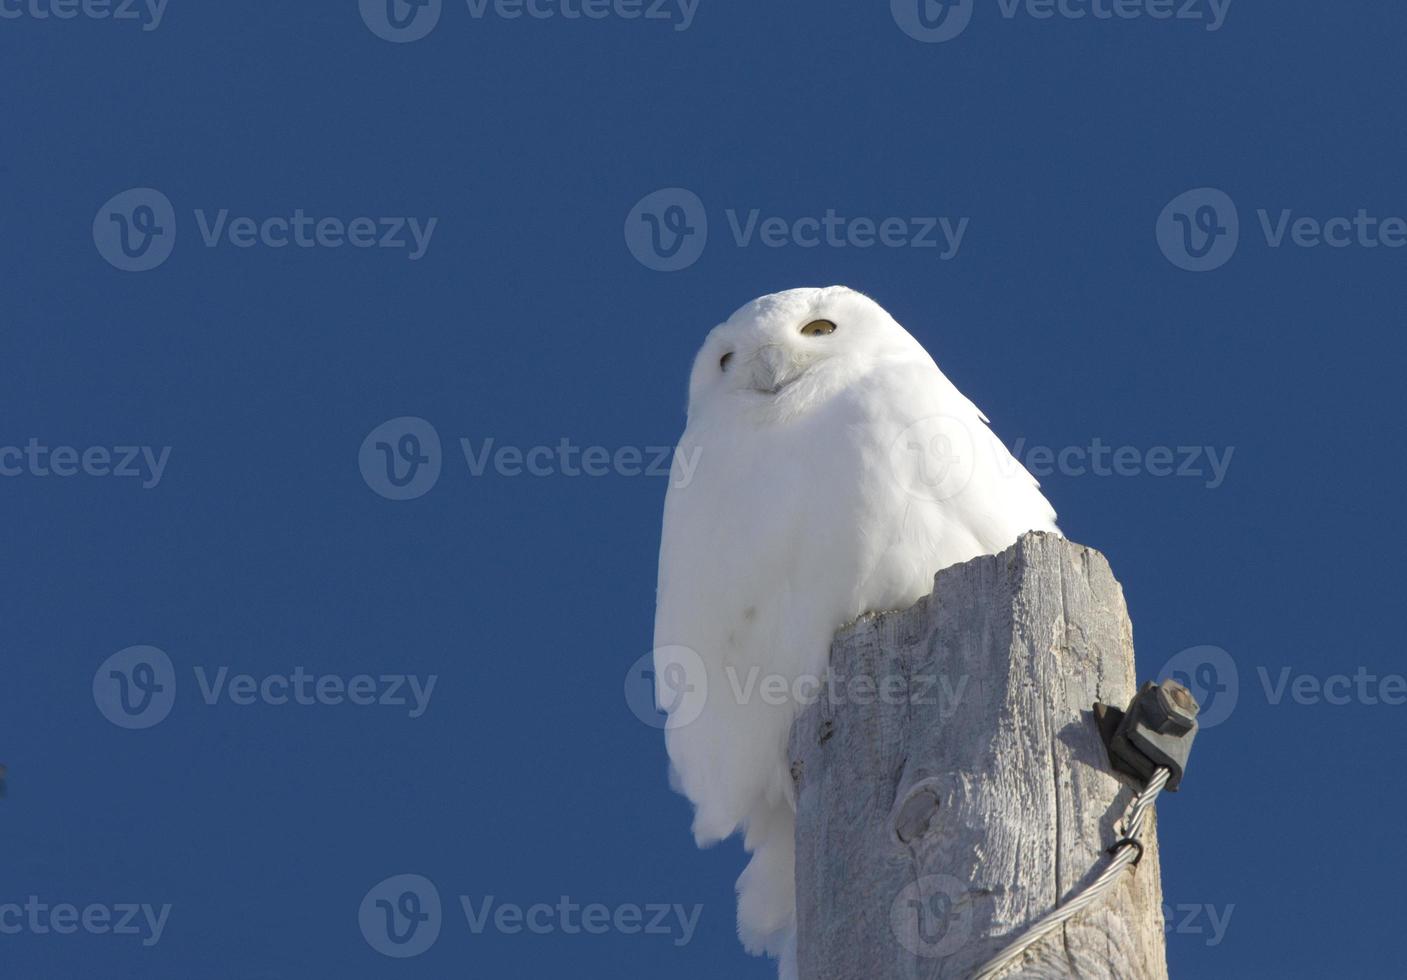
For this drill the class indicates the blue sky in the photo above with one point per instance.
(242, 242)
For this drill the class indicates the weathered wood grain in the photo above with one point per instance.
(952, 787)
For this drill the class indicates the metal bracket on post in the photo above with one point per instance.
(1150, 741)
(1156, 731)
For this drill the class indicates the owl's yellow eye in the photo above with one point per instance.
(818, 328)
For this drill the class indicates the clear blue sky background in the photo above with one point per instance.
(529, 321)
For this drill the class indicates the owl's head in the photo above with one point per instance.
(786, 351)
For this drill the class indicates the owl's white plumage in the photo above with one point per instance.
(835, 473)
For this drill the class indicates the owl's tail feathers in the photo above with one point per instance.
(767, 887)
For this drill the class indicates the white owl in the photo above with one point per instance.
(837, 470)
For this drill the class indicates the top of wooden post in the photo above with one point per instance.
(952, 786)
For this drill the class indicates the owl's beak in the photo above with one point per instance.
(773, 369)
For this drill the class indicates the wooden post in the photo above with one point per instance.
(952, 787)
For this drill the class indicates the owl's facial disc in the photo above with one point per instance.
(781, 362)
(787, 351)
(773, 368)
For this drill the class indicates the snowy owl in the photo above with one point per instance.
(836, 470)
